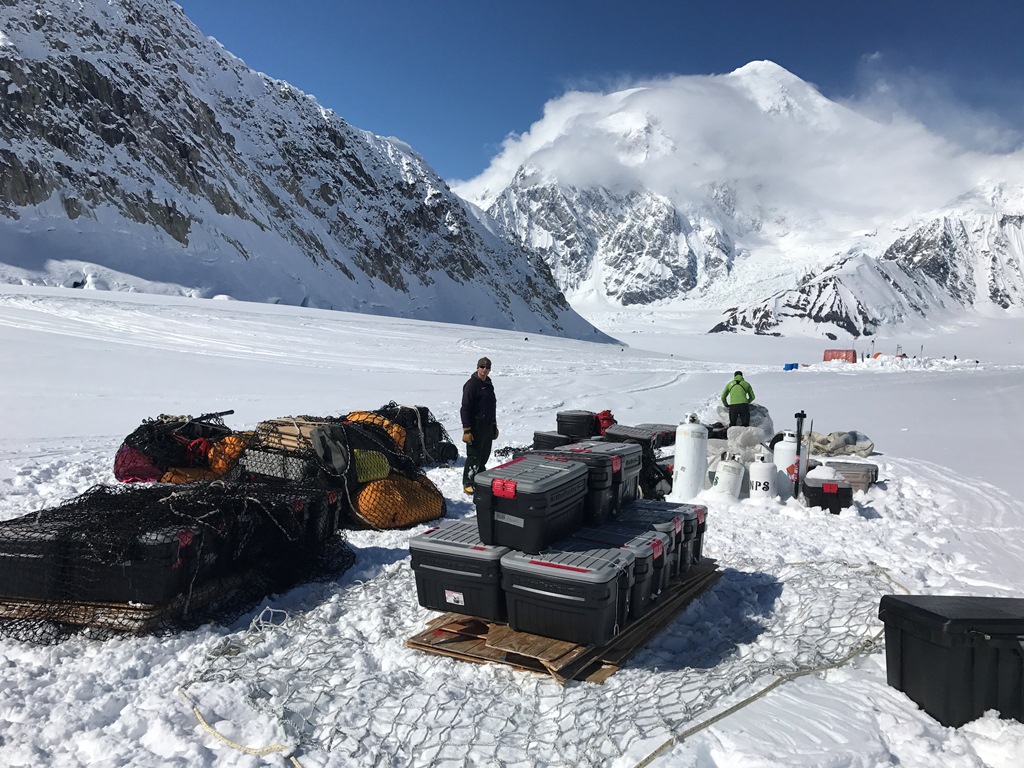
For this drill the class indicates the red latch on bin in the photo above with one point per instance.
(503, 489)
(658, 547)
(679, 524)
(616, 463)
(830, 487)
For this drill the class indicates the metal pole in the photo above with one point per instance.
(799, 416)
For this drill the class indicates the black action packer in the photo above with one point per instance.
(647, 437)
(663, 514)
(546, 441)
(651, 569)
(614, 474)
(578, 425)
(859, 474)
(457, 572)
(530, 502)
(669, 522)
(956, 656)
(666, 433)
(52, 564)
(581, 597)
(833, 495)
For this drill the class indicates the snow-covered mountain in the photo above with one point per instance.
(946, 265)
(754, 193)
(138, 154)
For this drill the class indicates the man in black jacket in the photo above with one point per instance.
(479, 421)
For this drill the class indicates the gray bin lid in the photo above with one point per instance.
(593, 566)
(460, 537)
(534, 474)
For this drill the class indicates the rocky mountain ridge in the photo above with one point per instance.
(138, 154)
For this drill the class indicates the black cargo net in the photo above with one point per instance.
(427, 441)
(362, 455)
(162, 558)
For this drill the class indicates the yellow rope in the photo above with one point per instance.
(261, 752)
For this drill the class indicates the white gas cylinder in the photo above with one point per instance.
(691, 460)
(762, 477)
(785, 464)
(729, 477)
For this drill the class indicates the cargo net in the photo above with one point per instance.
(427, 441)
(162, 558)
(341, 681)
(362, 455)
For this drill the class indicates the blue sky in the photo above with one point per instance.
(453, 79)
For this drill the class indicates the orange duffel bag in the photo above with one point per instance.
(397, 501)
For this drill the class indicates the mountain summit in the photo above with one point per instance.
(752, 193)
(138, 154)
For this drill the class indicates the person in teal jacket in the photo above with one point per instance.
(738, 395)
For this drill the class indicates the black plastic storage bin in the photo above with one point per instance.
(530, 502)
(666, 433)
(700, 529)
(646, 437)
(833, 495)
(457, 572)
(956, 656)
(614, 475)
(81, 566)
(577, 424)
(861, 475)
(651, 568)
(580, 597)
(546, 441)
(678, 521)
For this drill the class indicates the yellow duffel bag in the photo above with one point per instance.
(398, 502)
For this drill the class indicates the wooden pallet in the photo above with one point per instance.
(122, 617)
(486, 642)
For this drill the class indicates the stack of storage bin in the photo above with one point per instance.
(543, 573)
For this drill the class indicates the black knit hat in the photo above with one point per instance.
(738, 373)
(483, 362)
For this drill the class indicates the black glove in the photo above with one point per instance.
(495, 435)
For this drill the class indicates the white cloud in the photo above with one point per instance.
(760, 128)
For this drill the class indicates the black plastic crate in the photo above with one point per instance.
(577, 424)
(457, 572)
(545, 441)
(646, 437)
(666, 432)
(651, 568)
(530, 502)
(665, 518)
(581, 597)
(833, 495)
(75, 565)
(859, 474)
(956, 656)
(623, 460)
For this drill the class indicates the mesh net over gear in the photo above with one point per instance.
(427, 442)
(167, 439)
(162, 558)
(383, 487)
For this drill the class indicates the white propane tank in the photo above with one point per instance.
(691, 460)
(762, 478)
(729, 477)
(785, 464)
